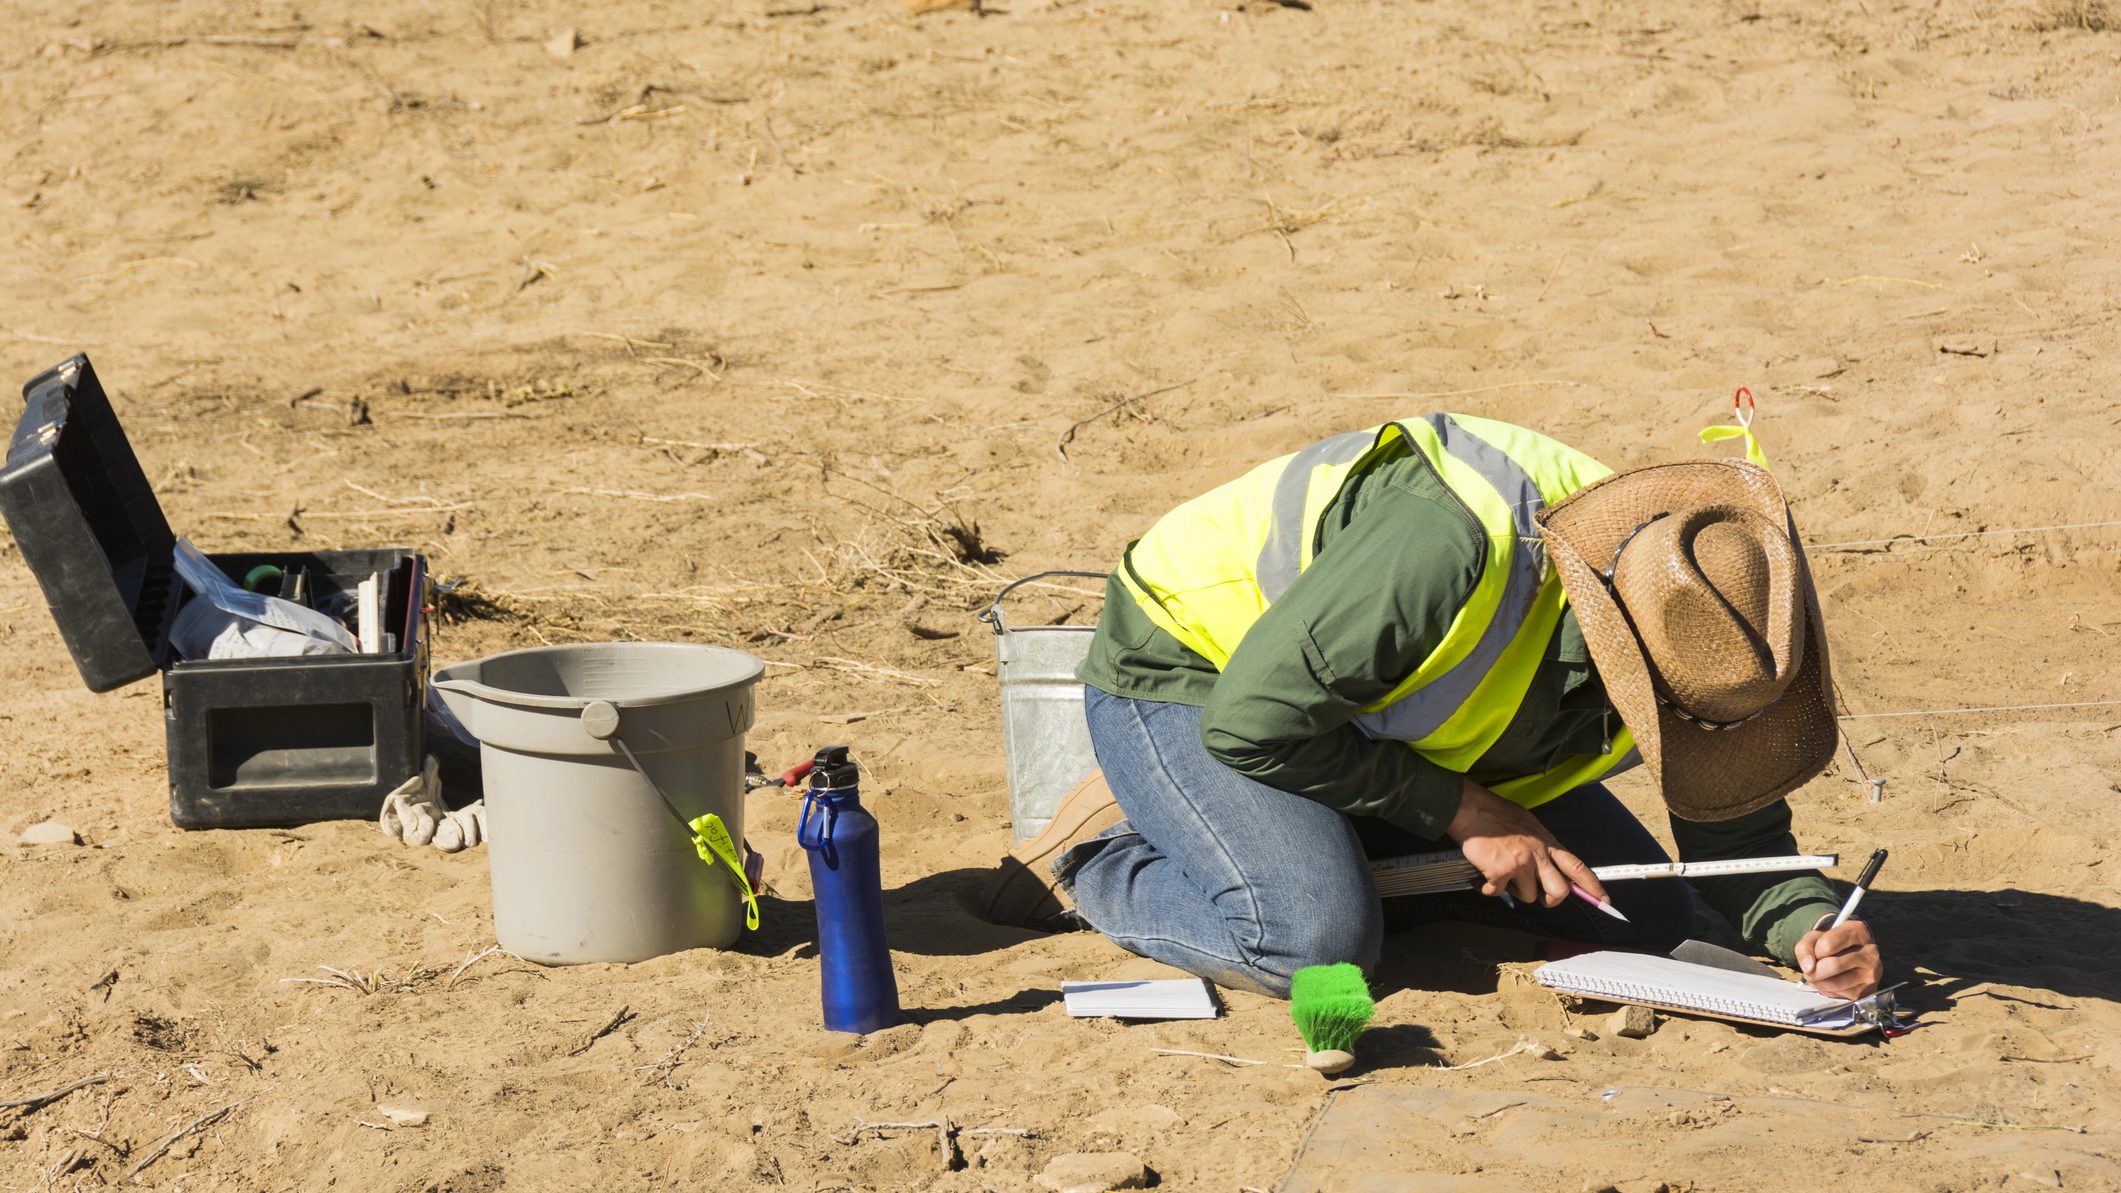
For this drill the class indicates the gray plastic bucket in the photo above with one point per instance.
(1045, 739)
(588, 863)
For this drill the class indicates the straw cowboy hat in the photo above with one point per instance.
(1698, 608)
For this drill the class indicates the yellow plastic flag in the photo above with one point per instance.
(1742, 403)
(712, 841)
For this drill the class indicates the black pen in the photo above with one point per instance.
(1870, 873)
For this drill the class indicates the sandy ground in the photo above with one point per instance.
(715, 327)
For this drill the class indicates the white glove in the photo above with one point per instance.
(411, 812)
(414, 814)
(462, 828)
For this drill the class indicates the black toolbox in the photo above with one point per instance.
(252, 742)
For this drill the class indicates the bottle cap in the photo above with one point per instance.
(833, 770)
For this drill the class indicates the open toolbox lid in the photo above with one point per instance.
(87, 523)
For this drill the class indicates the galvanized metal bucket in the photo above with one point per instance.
(1045, 739)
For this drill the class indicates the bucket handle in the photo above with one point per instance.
(600, 720)
(993, 615)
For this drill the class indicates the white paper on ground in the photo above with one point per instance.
(1160, 998)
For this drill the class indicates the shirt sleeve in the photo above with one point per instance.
(1372, 605)
(1772, 911)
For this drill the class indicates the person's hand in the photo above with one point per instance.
(1841, 962)
(1514, 852)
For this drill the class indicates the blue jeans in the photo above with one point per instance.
(1245, 884)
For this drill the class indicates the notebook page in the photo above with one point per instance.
(1162, 998)
(1680, 983)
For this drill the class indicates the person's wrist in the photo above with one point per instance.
(1469, 810)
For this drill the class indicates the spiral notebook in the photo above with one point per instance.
(1684, 986)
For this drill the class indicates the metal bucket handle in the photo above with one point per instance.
(993, 615)
(600, 720)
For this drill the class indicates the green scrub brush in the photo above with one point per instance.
(1331, 1005)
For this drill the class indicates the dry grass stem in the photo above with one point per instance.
(1873, 277)
(890, 673)
(38, 1101)
(638, 495)
(662, 1067)
(1229, 1060)
(424, 503)
(200, 1123)
(629, 341)
(366, 984)
(840, 393)
(1523, 1046)
(450, 982)
(589, 1041)
(1060, 446)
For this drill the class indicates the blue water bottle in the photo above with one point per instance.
(861, 995)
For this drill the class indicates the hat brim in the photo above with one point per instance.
(1704, 774)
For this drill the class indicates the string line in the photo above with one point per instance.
(1963, 534)
(1945, 712)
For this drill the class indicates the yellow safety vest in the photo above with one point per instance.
(1208, 569)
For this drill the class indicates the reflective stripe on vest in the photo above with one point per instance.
(1422, 706)
(1290, 537)
(1198, 577)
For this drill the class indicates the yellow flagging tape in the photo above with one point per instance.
(1717, 434)
(712, 841)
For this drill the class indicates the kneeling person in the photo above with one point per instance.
(1448, 630)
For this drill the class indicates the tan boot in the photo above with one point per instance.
(1023, 891)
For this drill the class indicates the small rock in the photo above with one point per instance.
(48, 832)
(1595, 1185)
(564, 44)
(1154, 1116)
(1632, 1022)
(1580, 1032)
(404, 1116)
(1964, 348)
(2051, 1178)
(1643, 1186)
(917, 7)
(1093, 1172)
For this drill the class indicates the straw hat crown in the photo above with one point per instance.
(1693, 595)
(1714, 597)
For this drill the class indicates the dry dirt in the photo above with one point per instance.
(716, 326)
